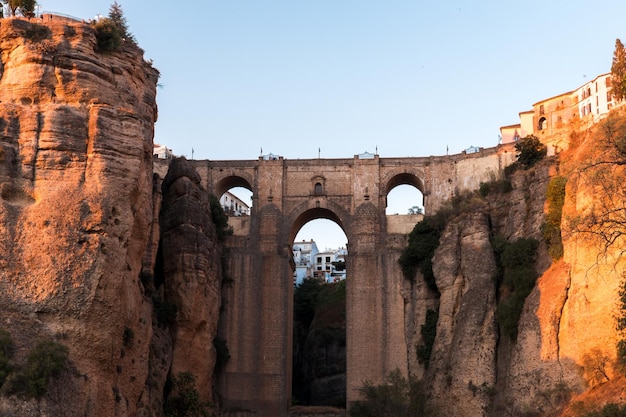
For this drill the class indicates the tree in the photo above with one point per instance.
(116, 14)
(530, 150)
(26, 7)
(618, 71)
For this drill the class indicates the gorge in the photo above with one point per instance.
(124, 260)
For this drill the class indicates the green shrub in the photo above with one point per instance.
(423, 241)
(45, 361)
(516, 273)
(397, 396)
(220, 219)
(222, 354)
(108, 37)
(530, 150)
(429, 332)
(484, 188)
(621, 323)
(551, 229)
(185, 401)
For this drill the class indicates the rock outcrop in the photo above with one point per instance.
(566, 338)
(76, 210)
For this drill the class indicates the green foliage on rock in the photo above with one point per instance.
(45, 361)
(517, 275)
(220, 219)
(428, 332)
(423, 241)
(108, 38)
(551, 229)
(112, 31)
(621, 324)
(397, 396)
(530, 150)
(185, 400)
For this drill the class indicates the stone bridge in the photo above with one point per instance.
(257, 317)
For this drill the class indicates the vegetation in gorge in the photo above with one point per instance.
(423, 241)
(45, 361)
(185, 400)
(551, 229)
(517, 276)
(397, 396)
(428, 332)
(319, 326)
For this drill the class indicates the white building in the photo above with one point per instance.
(325, 265)
(162, 152)
(233, 205)
(594, 97)
(303, 254)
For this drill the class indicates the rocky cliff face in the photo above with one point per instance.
(76, 211)
(566, 338)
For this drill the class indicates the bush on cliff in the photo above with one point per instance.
(423, 241)
(530, 150)
(185, 401)
(517, 275)
(428, 332)
(220, 219)
(397, 396)
(551, 229)
(45, 361)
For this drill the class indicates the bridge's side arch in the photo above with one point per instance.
(231, 181)
(393, 179)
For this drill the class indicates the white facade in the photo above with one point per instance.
(303, 254)
(162, 152)
(594, 98)
(233, 205)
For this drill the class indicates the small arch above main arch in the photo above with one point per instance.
(408, 178)
(231, 181)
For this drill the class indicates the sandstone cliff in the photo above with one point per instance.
(76, 211)
(566, 338)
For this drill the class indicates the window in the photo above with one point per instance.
(328, 259)
(541, 109)
(318, 188)
(319, 259)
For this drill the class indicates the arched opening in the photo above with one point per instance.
(319, 324)
(404, 195)
(543, 123)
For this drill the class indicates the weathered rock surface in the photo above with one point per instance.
(192, 273)
(76, 210)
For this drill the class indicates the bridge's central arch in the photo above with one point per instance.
(256, 320)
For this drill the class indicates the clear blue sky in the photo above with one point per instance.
(410, 78)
